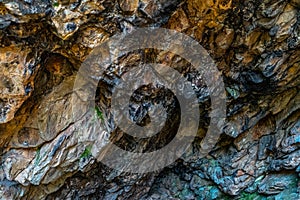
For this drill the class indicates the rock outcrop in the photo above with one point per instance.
(48, 147)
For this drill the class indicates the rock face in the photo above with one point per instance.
(18, 67)
(47, 146)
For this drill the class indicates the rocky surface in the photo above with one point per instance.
(47, 147)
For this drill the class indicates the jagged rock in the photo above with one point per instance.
(46, 145)
(275, 183)
(266, 145)
(27, 7)
(18, 68)
(69, 16)
(129, 6)
(290, 161)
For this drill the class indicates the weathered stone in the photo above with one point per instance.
(27, 8)
(129, 6)
(266, 146)
(295, 3)
(47, 146)
(18, 68)
(68, 17)
(275, 183)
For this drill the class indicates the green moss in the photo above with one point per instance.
(55, 4)
(87, 152)
(99, 113)
(38, 157)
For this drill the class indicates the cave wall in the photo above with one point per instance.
(46, 153)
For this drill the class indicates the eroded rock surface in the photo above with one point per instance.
(18, 69)
(47, 146)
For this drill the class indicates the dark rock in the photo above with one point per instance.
(267, 145)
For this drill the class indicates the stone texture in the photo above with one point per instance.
(18, 65)
(46, 147)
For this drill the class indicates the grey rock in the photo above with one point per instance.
(275, 183)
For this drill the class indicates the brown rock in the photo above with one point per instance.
(18, 69)
(295, 3)
(129, 5)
